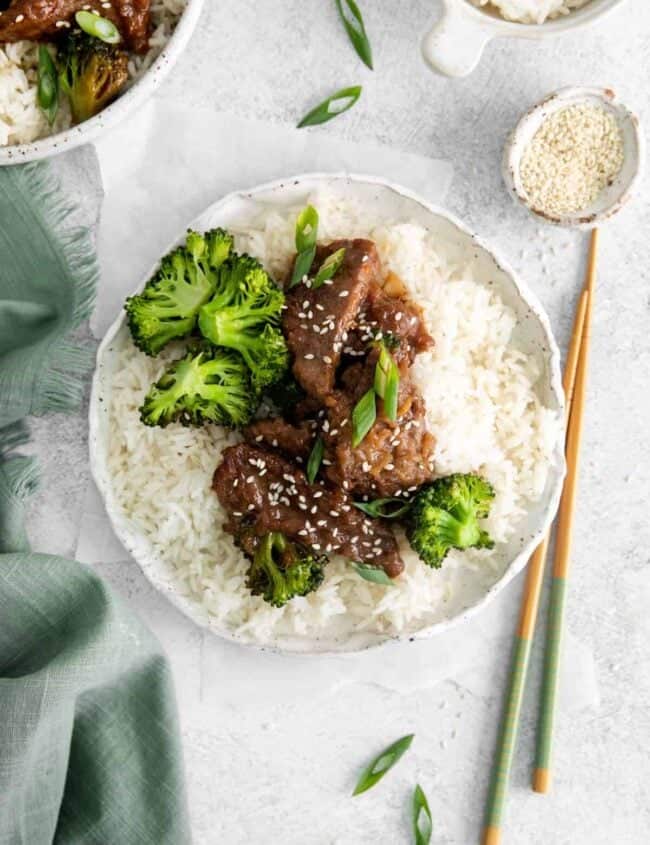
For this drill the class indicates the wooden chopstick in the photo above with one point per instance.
(542, 775)
(527, 619)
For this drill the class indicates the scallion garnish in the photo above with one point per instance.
(332, 106)
(47, 93)
(376, 574)
(422, 822)
(315, 459)
(306, 236)
(364, 415)
(387, 382)
(98, 27)
(382, 764)
(381, 508)
(353, 22)
(329, 268)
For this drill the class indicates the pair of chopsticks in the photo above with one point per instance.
(575, 383)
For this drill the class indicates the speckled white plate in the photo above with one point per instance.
(532, 334)
(127, 102)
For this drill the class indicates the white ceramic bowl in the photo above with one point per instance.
(616, 195)
(127, 102)
(455, 44)
(533, 334)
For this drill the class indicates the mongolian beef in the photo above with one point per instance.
(335, 453)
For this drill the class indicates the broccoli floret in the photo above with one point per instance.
(91, 73)
(244, 314)
(282, 570)
(169, 305)
(207, 385)
(445, 514)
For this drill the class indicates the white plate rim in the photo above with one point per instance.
(189, 607)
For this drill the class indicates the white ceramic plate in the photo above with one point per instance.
(533, 335)
(127, 102)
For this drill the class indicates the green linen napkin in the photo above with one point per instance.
(89, 746)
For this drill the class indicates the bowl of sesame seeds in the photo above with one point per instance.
(576, 158)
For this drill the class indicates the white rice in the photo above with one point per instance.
(532, 11)
(482, 408)
(21, 120)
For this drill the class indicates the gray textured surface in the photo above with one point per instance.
(273, 762)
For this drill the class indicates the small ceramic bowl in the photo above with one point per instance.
(456, 42)
(610, 200)
(127, 102)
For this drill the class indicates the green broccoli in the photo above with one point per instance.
(445, 514)
(244, 314)
(168, 306)
(282, 570)
(207, 385)
(91, 73)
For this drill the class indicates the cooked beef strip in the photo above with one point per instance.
(394, 457)
(36, 20)
(294, 441)
(397, 319)
(263, 492)
(316, 323)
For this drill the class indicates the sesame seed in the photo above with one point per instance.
(250, 479)
(327, 359)
(308, 357)
(344, 293)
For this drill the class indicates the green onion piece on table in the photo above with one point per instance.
(315, 460)
(332, 106)
(383, 508)
(422, 822)
(382, 764)
(98, 27)
(372, 573)
(329, 268)
(352, 19)
(47, 93)
(306, 237)
(364, 415)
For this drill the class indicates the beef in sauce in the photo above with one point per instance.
(334, 333)
(41, 20)
(264, 492)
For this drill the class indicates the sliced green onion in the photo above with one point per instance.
(364, 415)
(306, 229)
(47, 93)
(382, 764)
(387, 382)
(315, 459)
(329, 268)
(391, 393)
(302, 266)
(379, 509)
(422, 822)
(332, 106)
(98, 27)
(306, 236)
(382, 368)
(376, 574)
(356, 30)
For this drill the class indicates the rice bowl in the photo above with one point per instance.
(24, 131)
(492, 391)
